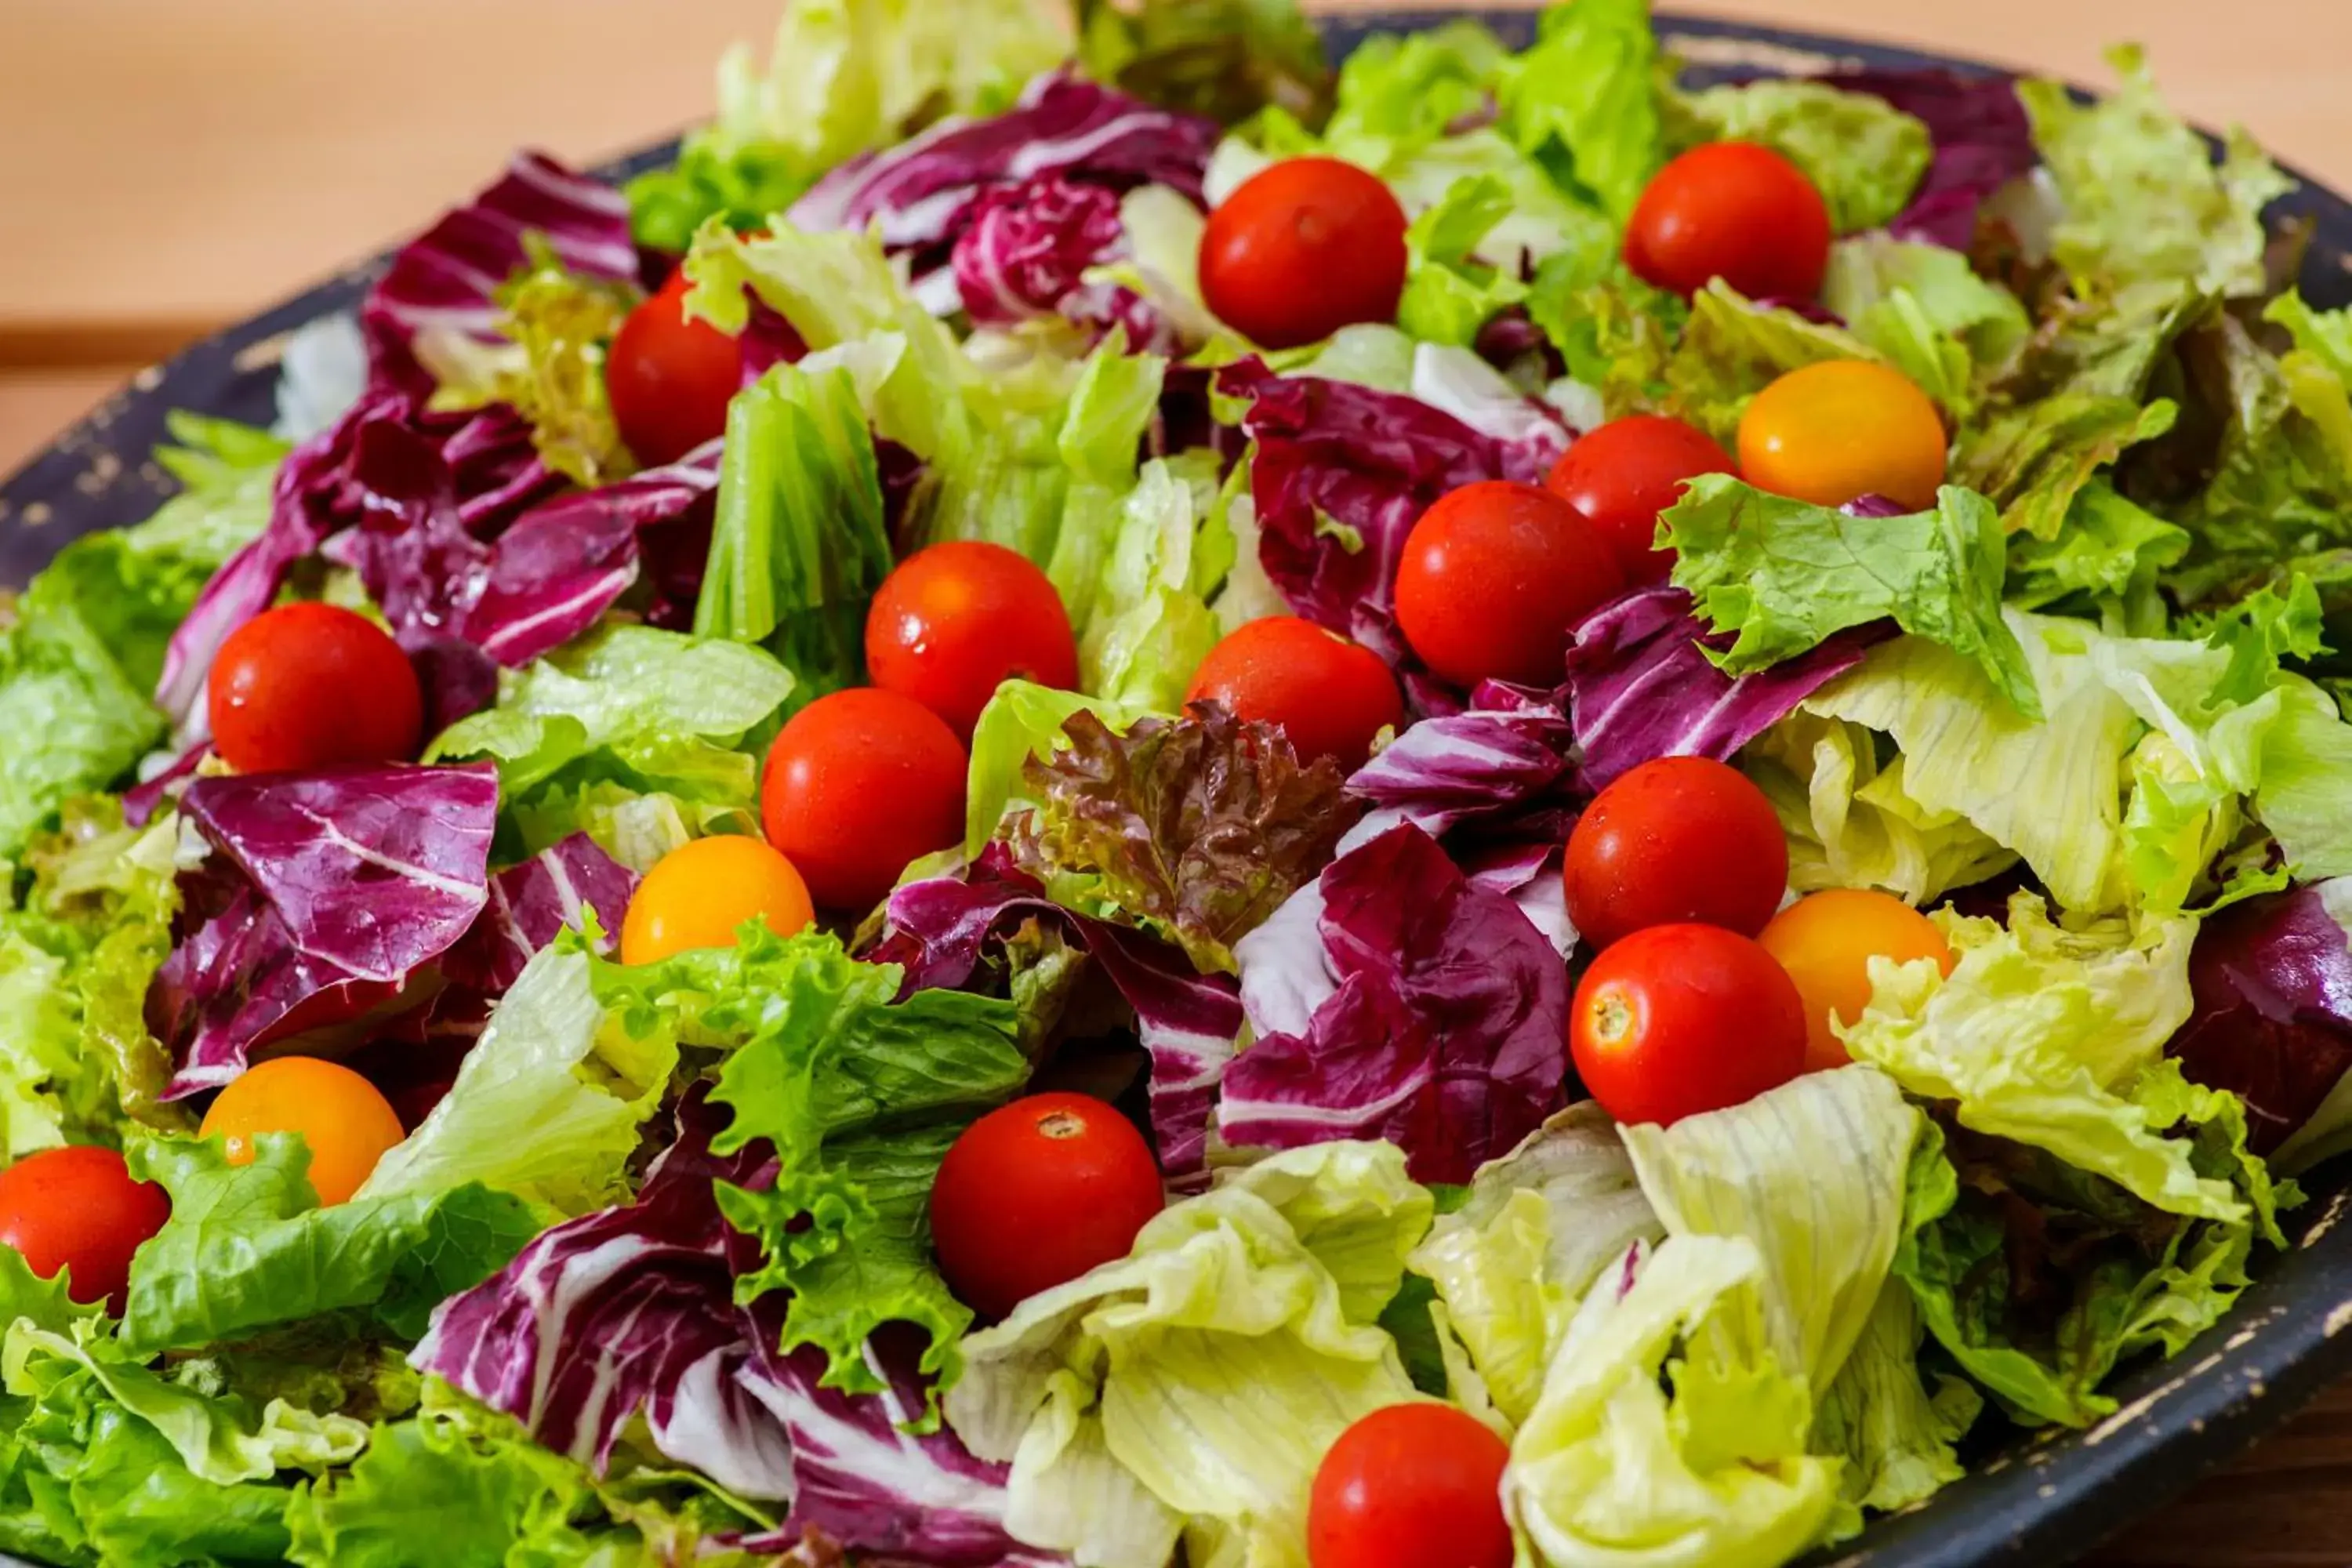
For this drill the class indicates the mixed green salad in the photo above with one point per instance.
(1101, 796)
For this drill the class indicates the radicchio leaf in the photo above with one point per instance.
(1434, 1016)
(1026, 252)
(530, 904)
(1506, 752)
(1982, 141)
(2272, 980)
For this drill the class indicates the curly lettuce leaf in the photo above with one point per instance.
(1582, 101)
(1924, 309)
(1225, 59)
(77, 721)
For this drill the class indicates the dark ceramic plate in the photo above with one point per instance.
(2036, 1502)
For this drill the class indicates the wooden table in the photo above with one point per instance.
(167, 168)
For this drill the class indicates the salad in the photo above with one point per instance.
(1102, 798)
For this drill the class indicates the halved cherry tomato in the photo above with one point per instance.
(1411, 1486)
(1675, 839)
(308, 686)
(79, 1209)
(1330, 695)
(1304, 248)
(1734, 211)
(1826, 941)
(1036, 1193)
(670, 379)
(345, 1122)
(1677, 1020)
(1834, 432)
(1622, 475)
(955, 621)
(700, 893)
(1492, 578)
(859, 784)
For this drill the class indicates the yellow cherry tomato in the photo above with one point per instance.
(699, 894)
(1826, 941)
(1835, 431)
(346, 1121)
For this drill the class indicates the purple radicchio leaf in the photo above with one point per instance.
(2272, 980)
(324, 894)
(1640, 686)
(1981, 137)
(1436, 1021)
(530, 904)
(1024, 254)
(1506, 752)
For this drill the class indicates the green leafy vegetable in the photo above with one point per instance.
(1225, 59)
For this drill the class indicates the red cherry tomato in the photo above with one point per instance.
(345, 1122)
(1329, 695)
(1826, 941)
(858, 785)
(1677, 840)
(306, 686)
(1412, 1485)
(1734, 211)
(79, 1209)
(1622, 475)
(670, 379)
(955, 621)
(1677, 1020)
(700, 893)
(1492, 578)
(1036, 1193)
(1304, 248)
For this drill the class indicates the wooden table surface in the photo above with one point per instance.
(168, 168)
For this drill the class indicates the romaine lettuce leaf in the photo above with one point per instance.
(1149, 625)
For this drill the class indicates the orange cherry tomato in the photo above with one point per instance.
(1304, 248)
(1675, 839)
(1329, 695)
(954, 622)
(1492, 578)
(77, 1209)
(1833, 432)
(346, 1123)
(1411, 1486)
(1677, 1020)
(1622, 475)
(308, 686)
(859, 784)
(700, 893)
(670, 378)
(1734, 211)
(1036, 1193)
(1826, 941)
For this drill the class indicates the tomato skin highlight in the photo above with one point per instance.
(700, 893)
(670, 379)
(1035, 1194)
(1735, 211)
(1833, 432)
(309, 686)
(1678, 1020)
(859, 784)
(1304, 248)
(955, 621)
(77, 1208)
(347, 1124)
(1492, 578)
(1330, 695)
(1623, 474)
(1675, 840)
(1411, 1486)
(1826, 941)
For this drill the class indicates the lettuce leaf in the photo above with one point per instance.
(1865, 156)
(1730, 348)
(1924, 309)
(80, 723)
(1225, 60)
(1879, 1415)
(1448, 294)
(1023, 722)
(1582, 101)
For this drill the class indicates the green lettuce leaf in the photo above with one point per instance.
(1023, 723)
(2107, 557)
(1149, 625)
(77, 721)
(1448, 294)
(2035, 461)
(1099, 572)
(1879, 1415)
(1926, 311)
(1616, 333)
(1582, 101)
(1244, 1321)
(635, 827)
(1865, 156)
(742, 187)
(1225, 60)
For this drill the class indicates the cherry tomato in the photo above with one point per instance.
(1677, 1020)
(1622, 475)
(308, 686)
(342, 1118)
(1329, 695)
(700, 893)
(1734, 211)
(1036, 1193)
(858, 785)
(670, 379)
(77, 1209)
(1675, 840)
(1826, 941)
(1842, 429)
(1304, 248)
(1412, 1485)
(955, 621)
(1492, 578)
